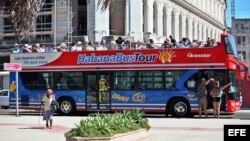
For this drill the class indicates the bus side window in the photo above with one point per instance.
(191, 84)
(39, 84)
(142, 86)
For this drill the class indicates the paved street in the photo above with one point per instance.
(27, 127)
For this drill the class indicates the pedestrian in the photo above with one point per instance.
(48, 114)
(202, 92)
(216, 94)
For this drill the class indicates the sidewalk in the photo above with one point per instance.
(27, 128)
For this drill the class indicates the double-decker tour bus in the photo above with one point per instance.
(155, 80)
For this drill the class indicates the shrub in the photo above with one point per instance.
(105, 125)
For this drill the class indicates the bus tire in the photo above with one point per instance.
(67, 106)
(179, 108)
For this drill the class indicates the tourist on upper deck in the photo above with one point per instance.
(27, 48)
(87, 47)
(62, 47)
(151, 44)
(100, 46)
(209, 43)
(126, 45)
(77, 46)
(195, 43)
(166, 44)
(173, 41)
(103, 43)
(140, 45)
(187, 42)
(112, 45)
(119, 42)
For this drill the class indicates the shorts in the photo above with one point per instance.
(203, 103)
(216, 99)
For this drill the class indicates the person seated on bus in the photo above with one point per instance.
(100, 46)
(119, 42)
(140, 45)
(126, 45)
(87, 47)
(166, 44)
(27, 48)
(186, 42)
(113, 45)
(194, 44)
(62, 47)
(151, 44)
(173, 41)
(209, 43)
(213, 43)
(180, 45)
(77, 46)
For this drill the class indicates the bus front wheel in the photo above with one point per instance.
(179, 108)
(67, 106)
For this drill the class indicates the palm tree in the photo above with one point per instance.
(105, 4)
(22, 14)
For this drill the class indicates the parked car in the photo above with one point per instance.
(4, 98)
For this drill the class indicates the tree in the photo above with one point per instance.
(105, 4)
(22, 14)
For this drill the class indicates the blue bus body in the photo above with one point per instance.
(146, 100)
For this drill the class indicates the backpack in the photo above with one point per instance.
(54, 105)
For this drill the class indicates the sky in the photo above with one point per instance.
(242, 10)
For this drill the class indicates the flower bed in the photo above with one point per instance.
(130, 136)
(110, 127)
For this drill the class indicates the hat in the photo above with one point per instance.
(49, 91)
(78, 42)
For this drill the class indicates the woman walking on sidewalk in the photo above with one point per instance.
(48, 114)
(216, 94)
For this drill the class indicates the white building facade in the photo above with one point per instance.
(62, 20)
(143, 19)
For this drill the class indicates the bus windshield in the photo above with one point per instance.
(233, 89)
(230, 45)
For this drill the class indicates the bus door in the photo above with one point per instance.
(98, 92)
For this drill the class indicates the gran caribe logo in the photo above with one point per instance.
(165, 56)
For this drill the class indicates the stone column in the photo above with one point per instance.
(148, 23)
(212, 8)
(204, 32)
(136, 19)
(189, 27)
(176, 24)
(169, 20)
(195, 29)
(209, 32)
(96, 30)
(200, 31)
(183, 25)
(159, 19)
(127, 17)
